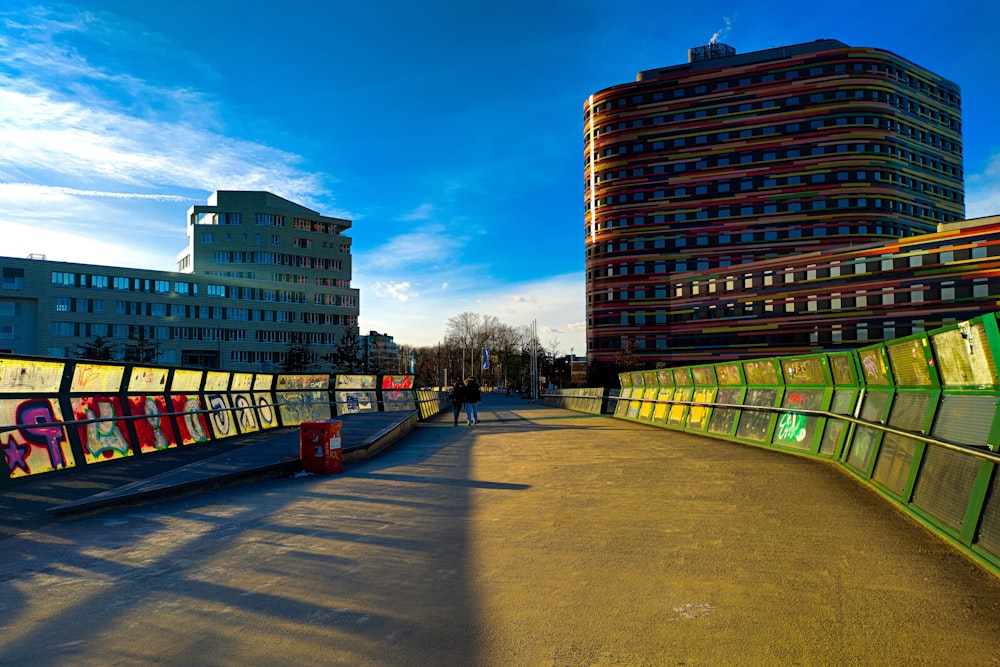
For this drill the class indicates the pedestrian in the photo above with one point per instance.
(457, 397)
(472, 398)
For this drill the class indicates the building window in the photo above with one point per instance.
(63, 279)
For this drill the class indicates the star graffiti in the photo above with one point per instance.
(15, 454)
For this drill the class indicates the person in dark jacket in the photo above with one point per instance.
(457, 397)
(472, 398)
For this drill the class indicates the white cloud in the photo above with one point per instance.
(422, 212)
(422, 249)
(34, 193)
(394, 291)
(982, 190)
(73, 144)
(99, 166)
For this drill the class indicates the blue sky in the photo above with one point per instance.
(450, 132)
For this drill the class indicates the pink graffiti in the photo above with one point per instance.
(39, 411)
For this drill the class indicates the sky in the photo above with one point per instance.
(449, 131)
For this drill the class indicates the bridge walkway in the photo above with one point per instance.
(538, 537)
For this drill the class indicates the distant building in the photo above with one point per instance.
(844, 296)
(259, 272)
(380, 354)
(712, 167)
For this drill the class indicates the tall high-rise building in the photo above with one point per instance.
(733, 159)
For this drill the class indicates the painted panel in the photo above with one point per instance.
(704, 376)
(723, 420)
(245, 415)
(148, 380)
(356, 382)
(105, 440)
(96, 378)
(263, 382)
(908, 362)
(192, 427)
(353, 402)
(34, 448)
(265, 410)
(21, 376)
(678, 412)
(296, 407)
(729, 374)
(842, 369)
(964, 357)
(293, 382)
(804, 370)
(660, 411)
(185, 381)
(155, 432)
(242, 382)
(398, 400)
(646, 408)
(682, 377)
(217, 381)
(397, 382)
(760, 372)
(754, 424)
(699, 413)
(220, 417)
(873, 367)
(795, 429)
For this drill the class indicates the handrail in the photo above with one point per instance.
(974, 450)
(208, 411)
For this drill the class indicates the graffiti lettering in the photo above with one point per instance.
(791, 428)
(39, 411)
(266, 411)
(245, 413)
(796, 399)
(105, 439)
(152, 411)
(192, 422)
(219, 416)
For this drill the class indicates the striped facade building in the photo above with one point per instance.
(258, 273)
(707, 168)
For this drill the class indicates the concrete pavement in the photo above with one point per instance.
(538, 537)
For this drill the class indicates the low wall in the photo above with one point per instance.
(590, 400)
(916, 418)
(58, 415)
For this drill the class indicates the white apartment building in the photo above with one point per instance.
(258, 273)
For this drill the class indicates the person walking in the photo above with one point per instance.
(472, 398)
(457, 397)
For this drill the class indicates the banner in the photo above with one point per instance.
(486, 358)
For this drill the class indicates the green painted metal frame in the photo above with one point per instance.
(863, 385)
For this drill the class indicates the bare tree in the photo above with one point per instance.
(463, 331)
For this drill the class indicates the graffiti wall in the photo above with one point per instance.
(303, 398)
(40, 444)
(29, 401)
(128, 411)
(354, 402)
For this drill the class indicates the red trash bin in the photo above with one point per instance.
(319, 446)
